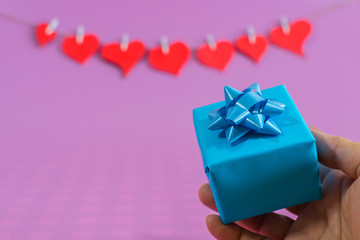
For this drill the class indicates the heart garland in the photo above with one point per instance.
(294, 39)
(124, 58)
(80, 52)
(253, 50)
(43, 37)
(80, 47)
(171, 61)
(216, 57)
(45, 33)
(171, 58)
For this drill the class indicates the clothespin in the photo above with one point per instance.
(251, 34)
(80, 32)
(124, 42)
(285, 25)
(211, 42)
(53, 24)
(164, 44)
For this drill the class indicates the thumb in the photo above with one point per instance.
(338, 152)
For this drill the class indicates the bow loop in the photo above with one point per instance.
(244, 112)
(237, 114)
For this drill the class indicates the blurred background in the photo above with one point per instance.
(86, 153)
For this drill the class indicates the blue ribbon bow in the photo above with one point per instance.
(244, 112)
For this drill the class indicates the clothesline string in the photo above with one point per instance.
(316, 14)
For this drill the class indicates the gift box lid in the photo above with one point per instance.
(215, 149)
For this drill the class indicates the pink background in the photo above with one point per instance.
(87, 154)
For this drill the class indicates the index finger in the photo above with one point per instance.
(338, 152)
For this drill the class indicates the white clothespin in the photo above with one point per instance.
(50, 29)
(211, 42)
(80, 32)
(164, 44)
(251, 34)
(124, 42)
(285, 25)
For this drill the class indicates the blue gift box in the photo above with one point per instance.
(259, 173)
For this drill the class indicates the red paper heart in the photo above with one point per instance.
(216, 58)
(124, 59)
(253, 50)
(80, 52)
(41, 35)
(295, 39)
(173, 61)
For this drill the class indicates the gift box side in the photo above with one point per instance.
(213, 182)
(203, 134)
(266, 182)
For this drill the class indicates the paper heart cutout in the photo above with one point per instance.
(216, 58)
(295, 39)
(173, 61)
(125, 59)
(41, 36)
(80, 52)
(253, 50)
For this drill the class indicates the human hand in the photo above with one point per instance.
(335, 216)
